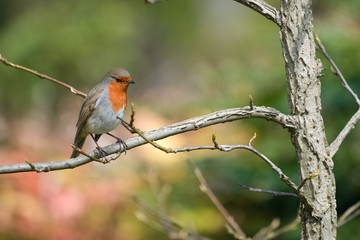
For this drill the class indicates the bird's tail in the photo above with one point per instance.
(78, 143)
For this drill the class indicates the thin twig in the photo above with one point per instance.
(32, 166)
(350, 217)
(322, 49)
(132, 117)
(335, 145)
(205, 188)
(158, 146)
(251, 103)
(227, 148)
(216, 145)
(43, 76)
(274, 193)
(87, 155)
(163, 223)
(284, 178)
(312, 176)
(349, 214)
(129, 126)
(252, 139)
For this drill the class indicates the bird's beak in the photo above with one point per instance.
(131, 82)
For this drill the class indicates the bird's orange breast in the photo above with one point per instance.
(117, 95)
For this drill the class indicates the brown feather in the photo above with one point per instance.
(87, 109)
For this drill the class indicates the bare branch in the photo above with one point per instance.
(223, 116)
(104, 161)
(264, 9)
(274, 193)
(335, 145)
(349, 214)
(130, 126)
(252, 139)
(282, 176)
(322, 49)
(85, 154)
(43, 76)
(154, 144)
(312, 176)
(164, 224)
(192, 124)
(226, 148)
(235, 228)
(132, 117)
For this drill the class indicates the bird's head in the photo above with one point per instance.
(119, 77)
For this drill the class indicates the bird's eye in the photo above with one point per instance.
(117, 79)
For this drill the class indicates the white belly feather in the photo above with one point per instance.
(107, 120)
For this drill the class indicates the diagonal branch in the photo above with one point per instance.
(263, 8)
(40, 75)
(192, 124)
(335, 145)
(164, 224)
(349, 214)
(322, 49)
(233, 226)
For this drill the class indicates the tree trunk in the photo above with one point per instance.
(303, 85)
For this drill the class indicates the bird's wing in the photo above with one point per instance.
(88, 108)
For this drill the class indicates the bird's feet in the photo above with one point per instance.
(121, 142)
(103, 154)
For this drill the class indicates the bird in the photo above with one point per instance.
(103, 109)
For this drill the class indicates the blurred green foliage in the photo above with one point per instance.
(187, 58)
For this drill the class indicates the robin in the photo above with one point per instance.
(103, 109)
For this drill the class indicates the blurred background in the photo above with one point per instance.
(188, 58)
